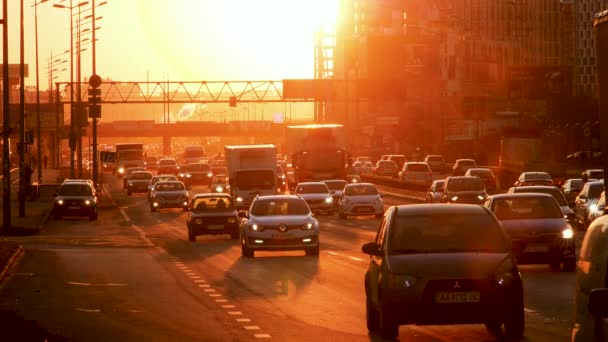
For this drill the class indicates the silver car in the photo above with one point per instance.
(169, 194)
(317, 196)
(279, 223)
(361, 199)
(435, 191)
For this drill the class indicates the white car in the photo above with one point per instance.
(364, 168)
(317, 196)
(416, 173)
(360, 199)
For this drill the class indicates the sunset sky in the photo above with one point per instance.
(190, 40)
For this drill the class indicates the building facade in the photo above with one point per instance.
(584, 61)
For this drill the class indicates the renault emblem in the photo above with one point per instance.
(282, 227)
(456, 285)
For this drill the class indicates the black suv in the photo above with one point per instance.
(75, 199)
(464, 189)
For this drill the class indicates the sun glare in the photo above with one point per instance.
(237, 39)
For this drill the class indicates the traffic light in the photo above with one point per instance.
(94, 103)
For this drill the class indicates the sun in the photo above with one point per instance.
(237, 39)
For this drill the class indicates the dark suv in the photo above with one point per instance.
(75, 199)
(464, 189)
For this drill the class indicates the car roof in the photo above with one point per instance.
(164, 176)
(410, 163)
(310, 183)
(278, 197)
(333, 180)
(534, 187)
(142, 171)
(479, 169)
(520, 195)
(211, 194)
(439, 181)
(462, 177)
(465, 159)
(169, 182)
(360, 184)
(525, 173)
(439, 209)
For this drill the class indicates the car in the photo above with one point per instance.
(361, 199)
(571, 188)
(336, 188)
(212, 214)
(364, 168)
(386, 168)
(352, 176)
(399, 159)
(167, 166)
(591, 290)
(435, 191)
(598, 209)
(139, 181)
(169, 194)
(218, 170)
(363, 159)
(219, 183)
(151, 163)
(317, 196)
(486, 175)
(534, 178)
(195, 173)
(156, 179)
(425, 269)
(594, 173)
(281, 179)
(82, 180)
(125, 179)
(279, 223)
(586, 200)
(75, 199)
(464, 189)
(461, 166)
(546, 189)
(418, 173)
(436, 162)
(537, 227)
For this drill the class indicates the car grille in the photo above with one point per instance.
(284, 242)
(74, 202)
(213, 220)
(289, 227)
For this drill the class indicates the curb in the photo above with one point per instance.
(11, 261)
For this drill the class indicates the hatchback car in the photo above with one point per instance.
(538, 230)
(426, 270)
(151, 163)
(279, 223)
(399, 159)
(386, 168)
(156, 179)
(436, 162)
(167, 166)
(75, 199)
(364, 168)
(587, 200)
(336, 188)
(219, 184)
(139, 181)
(128, 172)
(461, 166)
(361, 199)
(195, 173)
(545, 189)
(212, 214)
(169, 194)
(464, 189)
(317, 196)
(486, 175)
(416, 173)
(534, 178)
(435, 191)
(571, 188)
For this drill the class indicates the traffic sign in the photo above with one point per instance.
(95, 81)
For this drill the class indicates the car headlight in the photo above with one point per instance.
(87, 202)
(232, 220)
(188, 175)
(60, 202)
(593, 208)
(567, 233)
(254, 227)
(329, 199)
(182, 175)
(210, 174)
(198, 221)
(130, 183)
(481, 197)
(121, 170)
(505, 273)
(354, 180)
(239, 199)
(454, 198)
(398, 281)
(282, 176)
(220, 189)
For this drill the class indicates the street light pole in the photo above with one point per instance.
(38, 128)
(94, 116)
(6, 126)
(22, 143)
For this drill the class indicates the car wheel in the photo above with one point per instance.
(555, 264)
(247, 252)
(191, 235)
(312, 251)
(372, 317)
(389, 329)
(514, 323)
(569, 265)
(494, 328)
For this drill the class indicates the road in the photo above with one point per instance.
(132, 275)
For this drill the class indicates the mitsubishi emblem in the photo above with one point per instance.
(282, 227)
(456, 285)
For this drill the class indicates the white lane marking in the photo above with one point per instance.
(228, 306)
(221, 300)
(355, 258)
(194, 277)
(138, 230)
(24, 274)
(333, 253)
(209, 290)
(215, 295)
(529, 310)
(241, 320)
(79, 284)
(251, 327)
(136, 311)
(88, 310)
(199, 281)
(203, 285)
(261, 336)
(235, 313)
(90, 284)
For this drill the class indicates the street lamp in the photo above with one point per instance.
(38, 128)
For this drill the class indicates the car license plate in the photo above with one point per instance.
(74, 207)
(456, 297)
(215, 226)
(536, 249)
(364, 210)
(281, 236)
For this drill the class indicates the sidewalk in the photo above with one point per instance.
(36, 212)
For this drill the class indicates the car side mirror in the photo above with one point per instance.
(598, 303)
(372, 248)
(243, 214)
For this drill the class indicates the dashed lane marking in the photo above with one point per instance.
(333, 253)
(261, 336)
(203, 285)
(136, 311)
(199, 281)
(228, 306)
(88, 310)
(215, 295)
(235, 313)
(221, 300)
(209, 290)
(251, 327)
(355, 258)
(91, 284)
(243, 320)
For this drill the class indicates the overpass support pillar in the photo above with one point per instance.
(166, 145)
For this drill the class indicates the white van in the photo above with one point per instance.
(591, 303)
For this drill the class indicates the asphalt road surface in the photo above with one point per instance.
(133, 275)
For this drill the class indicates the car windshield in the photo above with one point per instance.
(336, 185)
(465, 184)
(439, 186)
(351, 171)
(360, 190)
(576, 184)
(553, 191)
(466, 162)
(446, 233)
(398, 159)
(537, 176)
(312, 189)
(435, 159)
(131, 170)
(162, 179)
(283, 206)
(170, 187)
(212, 203)
(523, 208)
(596, 174)
(387, 164)
(141, 175)
(218, 170)
(219, 180)
(198, 167)
(417, 167)
(481, 173)
(75, 190)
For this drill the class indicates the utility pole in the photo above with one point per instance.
(22, 143)
(6, 127)
(94, 106)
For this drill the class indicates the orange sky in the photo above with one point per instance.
(189, 40)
